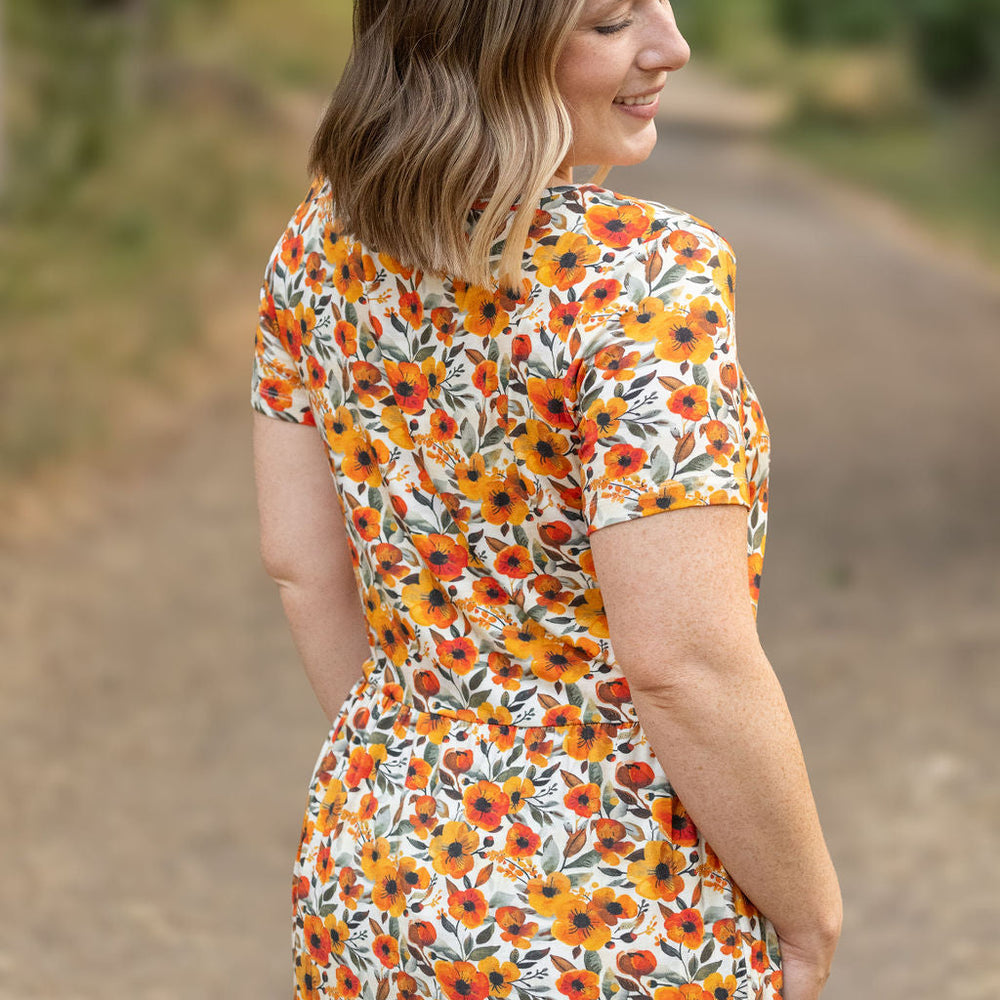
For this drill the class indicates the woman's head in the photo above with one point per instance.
(444, 102)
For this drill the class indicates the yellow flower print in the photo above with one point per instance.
(387, 891)
(471, 477)
(453, 849)
(648, 320)
(428, 602)
(547, 892)
(682, 339)
(591, 615)
(363, 458)
(543, 450)
(565, 264)
(657, 875)
(340, 430)
(724, 277)
(502, 503)
(588, 742)
(371, 854)
(578, 923)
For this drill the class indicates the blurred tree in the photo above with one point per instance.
(956, 44)
(847, 21)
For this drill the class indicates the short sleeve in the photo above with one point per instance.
(277, 385)
(660, 420)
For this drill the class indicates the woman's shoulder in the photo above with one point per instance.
(627, 223)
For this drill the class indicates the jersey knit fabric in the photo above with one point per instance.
(486, 817)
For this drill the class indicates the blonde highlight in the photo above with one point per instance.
(444, 103)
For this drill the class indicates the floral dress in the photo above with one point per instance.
(486, 817)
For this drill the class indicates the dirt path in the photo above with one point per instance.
(157, 732)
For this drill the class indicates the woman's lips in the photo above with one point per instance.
(643, 110)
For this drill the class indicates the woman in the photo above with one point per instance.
(567, 769)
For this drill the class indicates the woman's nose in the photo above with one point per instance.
(667, 49)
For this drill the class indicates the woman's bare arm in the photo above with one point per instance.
(305, 549)
(682, 628)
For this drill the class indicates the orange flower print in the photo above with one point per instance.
(352, 269)
(291, 251)
(514, 926)
(689, 991)
(458, 655)
(461, 980)
(590, 615)
(724, 931)
(435, 372)
(730, 375)
(316, 373)
(363, 458)
(648, 320)
(600, 294)
(584, 800)
(444, 557)
(490, 591)
(689, 250)
(545, 893)
(428, 603)
(610, 840)
(683, 340)
(501, 975)
(424, 816)
(453, 849)
(518, 790)
(562, 318)
(759, 959)
(522, 841)
(324, 864)
(422, 933)
(754, 570)
(513, 561)
(346, 337)
(721, 987)
(411, 308)
(409, 385)
(671, 494)
(368, 383)
(468, 906)
(317, 939)
(485, 316)
(637, 964)
(619, 225)
(685, 927)
(350, 888)
(308, 978)
(484, 378)
(588, 742)
(348, 984)
(339, 933)
(359, 768)
(612, 907)
(548, 396)
(674, 821)
(559, 661)
(564, 264)
(386, 950)
(367, 522)
(501, 504)
(690, 402)
(417, 773)
(617, 363)
(543, 450)
(623, 460)
(718, 445)
(443, 321)
(657, 875)
(724, 277)
(387, 891)
(485, 804)
(579, 984)
(709, 314)
(578, 923)
(315, 273)
(277, 392)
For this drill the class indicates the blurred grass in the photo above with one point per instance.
(148, 177)
(860, 111)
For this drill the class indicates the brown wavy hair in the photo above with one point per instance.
(443, 103)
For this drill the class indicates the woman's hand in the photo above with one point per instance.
(804, 971)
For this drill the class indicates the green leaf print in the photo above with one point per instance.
(592, 962)
(700, 375)
(468, 437)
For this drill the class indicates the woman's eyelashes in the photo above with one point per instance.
(613, 29)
